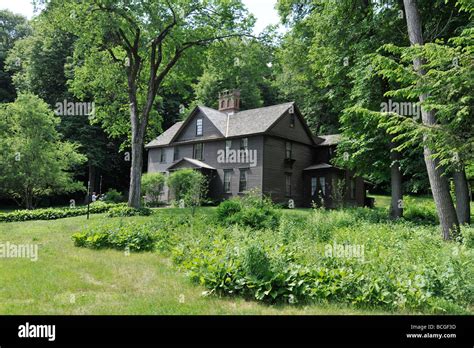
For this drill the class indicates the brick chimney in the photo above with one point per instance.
(229, 101)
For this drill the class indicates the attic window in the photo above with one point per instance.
(199, 127)
(292, 120)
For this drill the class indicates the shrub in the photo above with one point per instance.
(188, 185)
(405, 266)
(113, 196)
(124, 211)
(228, 208)
(117, 236)
(467, 233)
(256, 262)
(422, 212)
(55, 213)
(152, 187)
(251, 211)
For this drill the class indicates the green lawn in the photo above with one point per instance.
(71, 280)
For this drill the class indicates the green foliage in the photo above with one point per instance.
(14, 27)
(238, 63)
(256, 262)
(421, 212)
(251, 211)
(152, 187)
(188, 185)
(35, 161)
(120, 236)
(404, 266)
(113, 196)
(123, 211)
(228, 208)
(55, 213)
(467, 233)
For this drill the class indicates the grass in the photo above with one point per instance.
(69, 280)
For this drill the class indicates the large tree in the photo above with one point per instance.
(146, 40)
(35, 162)
(12, 28)
(438, 181)
(239, 63)
(45, 69)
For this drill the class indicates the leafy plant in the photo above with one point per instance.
(129, 236)
(124, 211)
(55, 213)
(190, 186)
(113, 196)
(152, 187)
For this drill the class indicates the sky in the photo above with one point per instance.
(264, 10)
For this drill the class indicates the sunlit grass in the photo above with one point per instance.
(71, 280)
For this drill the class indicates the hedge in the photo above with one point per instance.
(56, 213)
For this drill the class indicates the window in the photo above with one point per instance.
(176, 154)
(314, 183)
(197, 151)
(163, 156)
(227, 180)
(288, 184)
(199, 127)
(243, 180)
(292, 120)
(318, 186)
(289, 150)
(244, 146)
(228, 146)
(353, 188)
(322, 185)
(244, 143)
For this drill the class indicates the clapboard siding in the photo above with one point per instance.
(210, 157)
(189, 131)
(297, 133)
(275, 169)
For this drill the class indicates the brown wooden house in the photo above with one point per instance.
(270, 149)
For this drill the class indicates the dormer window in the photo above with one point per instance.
(199, 127)
(292, 120)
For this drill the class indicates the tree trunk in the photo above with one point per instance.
(396, 207)
(29, 200)
(138, 130)
(134, 199)
(461, 188)
(438, 182)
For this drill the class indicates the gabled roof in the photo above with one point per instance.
(255, 120)
(247, 122)
(321, 166)
(330, 140)
(165, 138)
(219, 119)
(196, 163)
